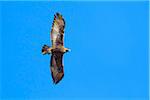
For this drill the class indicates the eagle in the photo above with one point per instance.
(57, 50)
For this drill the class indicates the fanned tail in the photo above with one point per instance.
(45, 50)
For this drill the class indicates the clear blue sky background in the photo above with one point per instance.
(109, 43)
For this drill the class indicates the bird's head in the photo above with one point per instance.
(66, 50)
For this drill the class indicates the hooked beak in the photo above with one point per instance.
(68, 50)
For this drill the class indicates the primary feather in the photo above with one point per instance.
(57, 32)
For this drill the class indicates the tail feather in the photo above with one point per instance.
(45, 49)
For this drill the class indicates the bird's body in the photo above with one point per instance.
(57, 50)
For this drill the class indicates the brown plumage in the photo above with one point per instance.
(57, 50)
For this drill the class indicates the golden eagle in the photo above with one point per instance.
(57, 50)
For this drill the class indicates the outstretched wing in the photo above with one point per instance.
(57, 70)
(57, 32)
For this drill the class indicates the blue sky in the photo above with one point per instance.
(108, 42)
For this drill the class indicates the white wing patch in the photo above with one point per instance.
(55, 32)
(56, 28)
(54, 36)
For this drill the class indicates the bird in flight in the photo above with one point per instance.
(57, 50)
